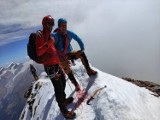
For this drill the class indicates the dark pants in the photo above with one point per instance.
(59, 82)
(79, 54)
(73, 56)
(72, 78)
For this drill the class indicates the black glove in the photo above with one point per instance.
(73, 57)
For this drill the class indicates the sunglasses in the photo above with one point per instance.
(50, 23)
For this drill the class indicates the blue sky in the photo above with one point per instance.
(15, 51)
(121, 37)
(14, 45)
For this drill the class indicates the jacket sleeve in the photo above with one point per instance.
(41, 46)
(78, 39)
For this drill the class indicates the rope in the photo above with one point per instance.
(80, 96)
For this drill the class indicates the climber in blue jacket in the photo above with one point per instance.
(63, 39)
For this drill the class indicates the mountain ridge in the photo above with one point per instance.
(14, 81)
(21, 79)
(121, 100)
(155, 88)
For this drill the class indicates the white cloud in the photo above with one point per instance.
(30, 12)
(123, 34)
(27, 14)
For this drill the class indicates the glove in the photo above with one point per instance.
(73, 57)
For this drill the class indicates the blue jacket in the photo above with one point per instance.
(59, 41)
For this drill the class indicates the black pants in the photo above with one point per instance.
(73, 56)
(79, 54)
(72, 78)
(58, 83)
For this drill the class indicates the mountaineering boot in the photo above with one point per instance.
(67, 114)
(68, 101)
(91, 72)
(86, 65)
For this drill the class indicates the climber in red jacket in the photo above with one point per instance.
(45, 47)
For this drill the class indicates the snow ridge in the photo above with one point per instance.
(121, 100)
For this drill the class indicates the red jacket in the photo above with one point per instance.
(47, 48)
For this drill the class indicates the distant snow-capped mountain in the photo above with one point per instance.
(13, 65)
(121, 100)
(14, 81)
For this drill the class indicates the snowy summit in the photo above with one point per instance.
(120, 100)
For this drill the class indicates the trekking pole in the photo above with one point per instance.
(94, 94)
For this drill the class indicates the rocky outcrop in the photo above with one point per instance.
(155, 88)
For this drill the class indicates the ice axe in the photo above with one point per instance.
(94, 94)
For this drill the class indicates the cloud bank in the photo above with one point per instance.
(122, 34)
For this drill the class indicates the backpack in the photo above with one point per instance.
(31, 47)
(32, 53)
